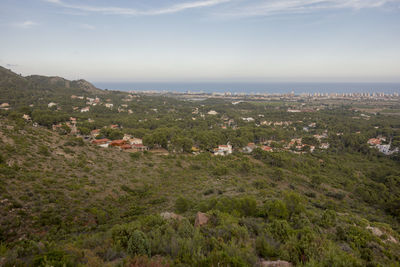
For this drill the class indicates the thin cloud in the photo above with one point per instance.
(26, 24)
(132, 11)
(276, 7)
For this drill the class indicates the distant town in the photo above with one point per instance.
(271, 96)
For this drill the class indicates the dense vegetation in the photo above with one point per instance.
(65, 202)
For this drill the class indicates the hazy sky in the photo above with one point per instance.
(203, 40)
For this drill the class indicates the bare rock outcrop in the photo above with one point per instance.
(378, 232)
(201, 219)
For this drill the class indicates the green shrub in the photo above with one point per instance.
(260, 184)
(337, 195)
(182, 205)
(302, 246)
(328, 219)
(267, 247)
(316, 180)
(275, 209)
(294, 203)
(54, 258)
(220, 170)
(280, 230)
(138, 244)
(248, 206)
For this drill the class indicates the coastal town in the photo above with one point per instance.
(130, 143)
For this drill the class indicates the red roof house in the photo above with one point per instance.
(267, 148)
(118, 143)
(100, 141)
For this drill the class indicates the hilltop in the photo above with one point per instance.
(14, 87)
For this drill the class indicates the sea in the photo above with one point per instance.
(253, 88)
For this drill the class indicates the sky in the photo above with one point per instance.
(203, 40)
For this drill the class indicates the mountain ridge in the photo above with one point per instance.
(46, 82)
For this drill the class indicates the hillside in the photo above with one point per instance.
(60, 194)
(213, 183)
(15, 88)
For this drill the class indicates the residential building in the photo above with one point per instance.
(223, 150)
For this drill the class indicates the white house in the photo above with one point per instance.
(26, 117)
(223, 150)
(386, 149)
(249, 119)
(5, 106)
(324, 146)
(136, 141)
(249, 148)
(86, 109)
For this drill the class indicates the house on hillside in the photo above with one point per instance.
(249, 119)
(118, 143)
(266, 123)
(374, 141)
(126, 147)
(295, 141)
(267, 148)
(5, 106)
(51, 104)
(127, 137)
(135, 141)
(387, 149)
(109, 105)
(26, 117)
(249, 148)
(223, 150)
(212, 112)
(195, 150)
(102, 142)
(324, 146)
(86, 109)
(95, 133)
(320, 136)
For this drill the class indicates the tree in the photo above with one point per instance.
(276, 209)
(294, 203)
(138, 244)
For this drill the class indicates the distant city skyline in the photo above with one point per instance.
(203, 40)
